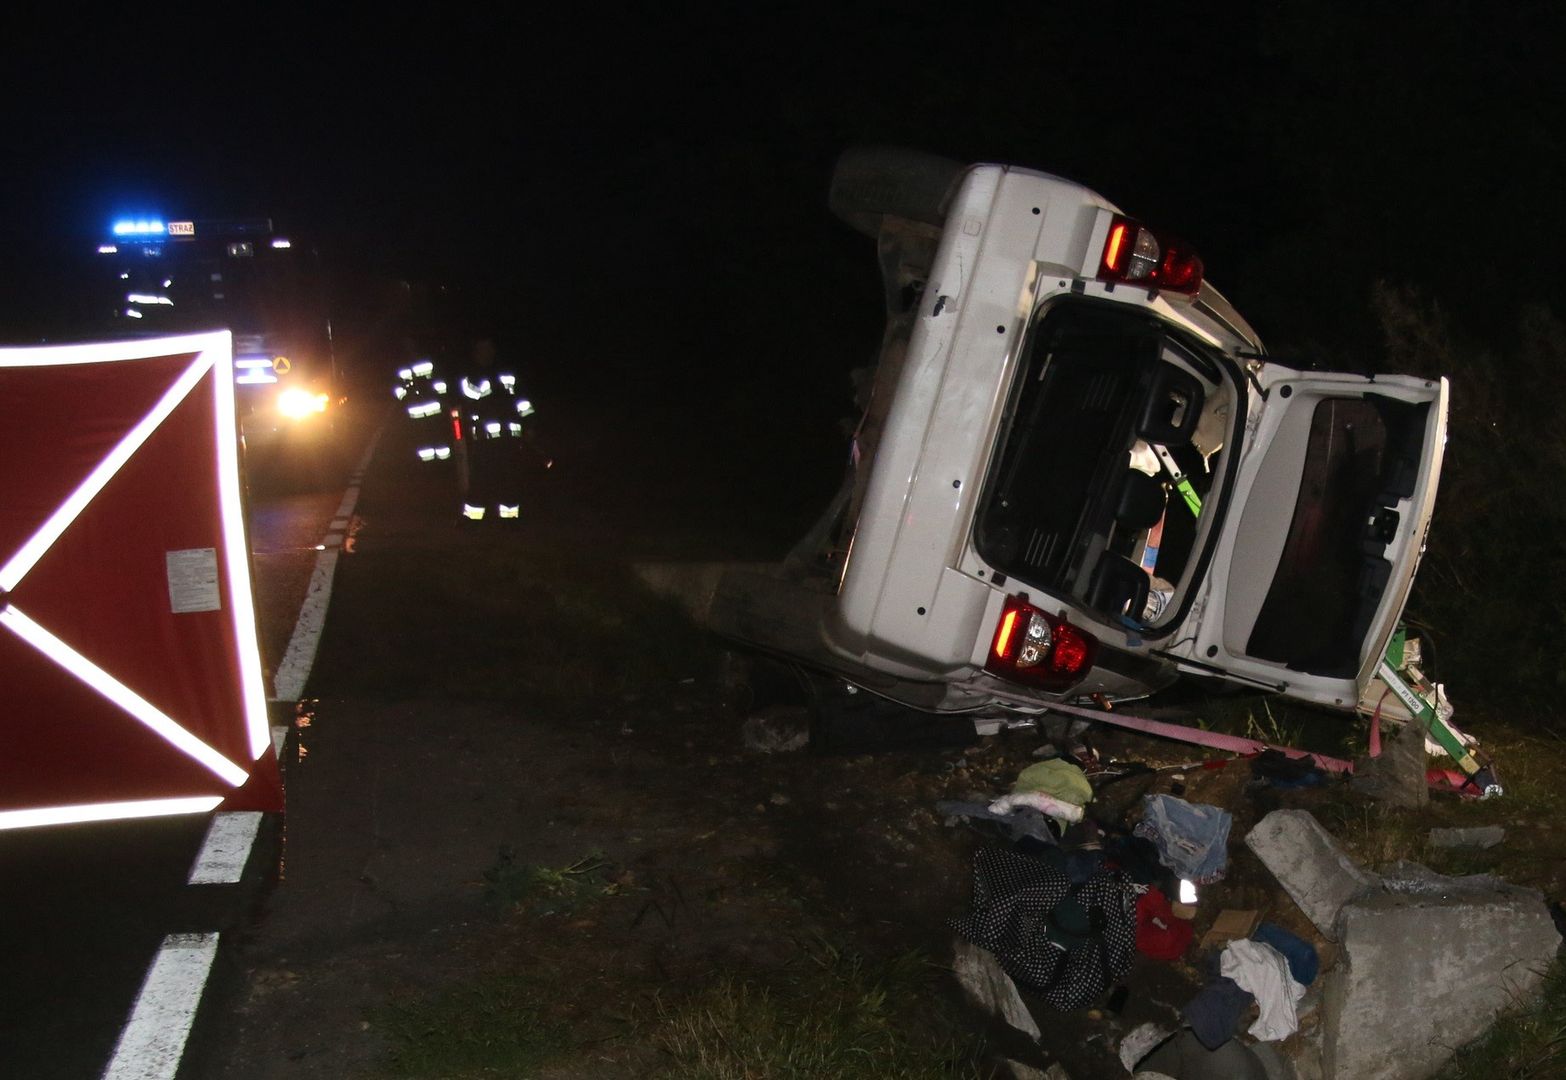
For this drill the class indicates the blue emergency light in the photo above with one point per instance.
(140, 227)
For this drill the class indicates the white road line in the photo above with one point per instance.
(153, 1040)
(294, 671)
(226, 849)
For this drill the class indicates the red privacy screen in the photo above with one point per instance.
(130, 677)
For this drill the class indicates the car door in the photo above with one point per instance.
(1324, 529)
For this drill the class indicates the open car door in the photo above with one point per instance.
(1324, 530)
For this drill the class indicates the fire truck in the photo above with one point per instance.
(156, 277)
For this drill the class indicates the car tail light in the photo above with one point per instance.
(1034, 647)
(1137, 255)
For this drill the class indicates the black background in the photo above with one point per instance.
(633, 197)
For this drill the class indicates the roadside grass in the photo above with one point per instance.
(828, 1014)
(512, 886)
(1525, 1043)
(499, 1025)
(832, 1015)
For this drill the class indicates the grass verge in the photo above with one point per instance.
(1526, 1043)
(833, 1016)
(500, 1025)
(828, 1015)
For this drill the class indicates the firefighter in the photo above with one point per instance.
(423, 396)
(497, 446)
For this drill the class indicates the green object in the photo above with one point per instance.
(1057, 777)
(1193, 501)
(1424, 712)
(1397, 647)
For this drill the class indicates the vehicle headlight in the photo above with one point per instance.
(298, 404)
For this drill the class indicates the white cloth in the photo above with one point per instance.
(1262, 971)
(1059, 809)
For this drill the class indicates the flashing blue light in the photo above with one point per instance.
(140, 227)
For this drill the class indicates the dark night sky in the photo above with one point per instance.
(642, 189)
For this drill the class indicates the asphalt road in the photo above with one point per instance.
(84, 908)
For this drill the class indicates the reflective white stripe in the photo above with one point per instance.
(516, 428)
(258, 377)
(443, 452)
(524, 407)
(29, 554)
(423, 367)
(492, 427)
(153, 1040)
(120, 694)
(244, 363)
(399, 392)
(224, 852)
(236, 550)
(427, 454)
(475, 513)
(475, 392)
(404, 373)
(440, 386)
(508, 381)
(423, 409)
(147, 298)
(109, 811)
(509, 511)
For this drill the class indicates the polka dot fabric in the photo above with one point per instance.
(1014, 915)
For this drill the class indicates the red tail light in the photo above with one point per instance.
(1137, 255)
(1034, 647)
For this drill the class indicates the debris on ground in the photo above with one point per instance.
(1481, 837)
(776, 729)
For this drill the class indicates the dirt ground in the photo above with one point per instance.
(523, 792)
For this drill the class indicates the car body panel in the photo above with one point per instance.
(911, 608)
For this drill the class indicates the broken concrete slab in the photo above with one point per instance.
(1425, 966)
(1317, 874)
(989, 988)
(1397, 777)
(1481, 837)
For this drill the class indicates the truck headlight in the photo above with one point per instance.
(298, 404)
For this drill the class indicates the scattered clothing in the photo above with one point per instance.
(1057, 777)
(1070, 943)
(1022, 823)
(1183, 1057)
(1057, 808)
(1279, 770)
(1192, 838)
(1300, 954)
(1215, 1012)
(1262, 970)
(1159, 934)
(1137, 858)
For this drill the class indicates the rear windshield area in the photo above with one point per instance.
(1110, 465)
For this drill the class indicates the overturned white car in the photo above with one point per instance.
(1078, 475)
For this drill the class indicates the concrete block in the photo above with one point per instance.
(1424, 968)
(1317, 874)
(991, 989)
(1482, 836)
(1397, 777)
